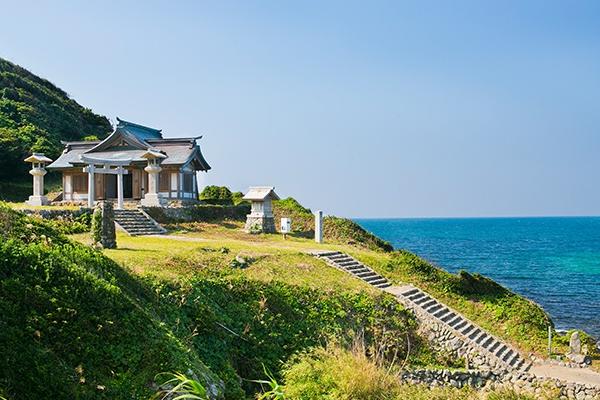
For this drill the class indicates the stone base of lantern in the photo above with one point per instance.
(153, 200)
(38, 201)
(260, 224)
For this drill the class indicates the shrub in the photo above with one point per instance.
(217, 195)
(96, 225)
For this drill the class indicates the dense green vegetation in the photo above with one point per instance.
(220, 195)
(35, 115)
(73, 324)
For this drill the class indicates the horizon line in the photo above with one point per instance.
(479, 217)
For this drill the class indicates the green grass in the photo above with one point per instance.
(507, 315)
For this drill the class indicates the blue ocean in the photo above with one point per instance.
(555, 261)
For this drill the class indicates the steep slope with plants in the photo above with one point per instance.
(35, 115)
(73, 324)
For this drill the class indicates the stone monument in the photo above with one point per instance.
(575, 343)
(575, 354)
(260, 219)
(38, 162)
(319, 226)
(103, 225)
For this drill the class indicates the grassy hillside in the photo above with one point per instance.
(35, 115)
(75, 323)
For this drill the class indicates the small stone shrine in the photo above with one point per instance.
(260, 219)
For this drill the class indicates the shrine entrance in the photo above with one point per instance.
(111, 189)
(109, 167)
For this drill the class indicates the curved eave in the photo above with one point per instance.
(196, 156)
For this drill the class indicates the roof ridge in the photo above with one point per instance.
(122, 121)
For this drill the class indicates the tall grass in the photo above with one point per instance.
(334, 372)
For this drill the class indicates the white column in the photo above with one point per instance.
(119, 188)
(91, 185)
(68, 187)
(319, 226)
(180, 185)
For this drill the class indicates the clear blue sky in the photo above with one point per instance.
(358, 108)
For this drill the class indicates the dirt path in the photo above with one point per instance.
(577, 375)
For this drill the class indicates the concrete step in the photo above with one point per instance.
(136, 223)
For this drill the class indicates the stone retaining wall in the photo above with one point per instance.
(443, 338)
(57, 213)
(495, 379)
(198, 212)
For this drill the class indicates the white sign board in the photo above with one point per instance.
(286, 225)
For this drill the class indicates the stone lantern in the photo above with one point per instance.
(38, 162)
(261, 217)
(152, 198)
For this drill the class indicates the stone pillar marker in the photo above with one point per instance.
(152, 198)
(38, 162)
(319, 226)
(91, 185)
(575, 343)
(103, 226)
(575, 354)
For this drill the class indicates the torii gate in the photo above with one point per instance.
(107, 165)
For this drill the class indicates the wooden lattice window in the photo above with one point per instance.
(163, 181)
(80, 183)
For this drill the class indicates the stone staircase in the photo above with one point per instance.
(452, 329)
(433, 310)
(348, 264)
(136, 223)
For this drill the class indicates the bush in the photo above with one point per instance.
(217, 195)
(97, 225)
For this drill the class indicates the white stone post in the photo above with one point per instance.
(152, 197)
(38, 198)
(68, 187)
(319, 226)
(91, 185)
(119, 188)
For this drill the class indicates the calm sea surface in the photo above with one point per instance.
(554, 261)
